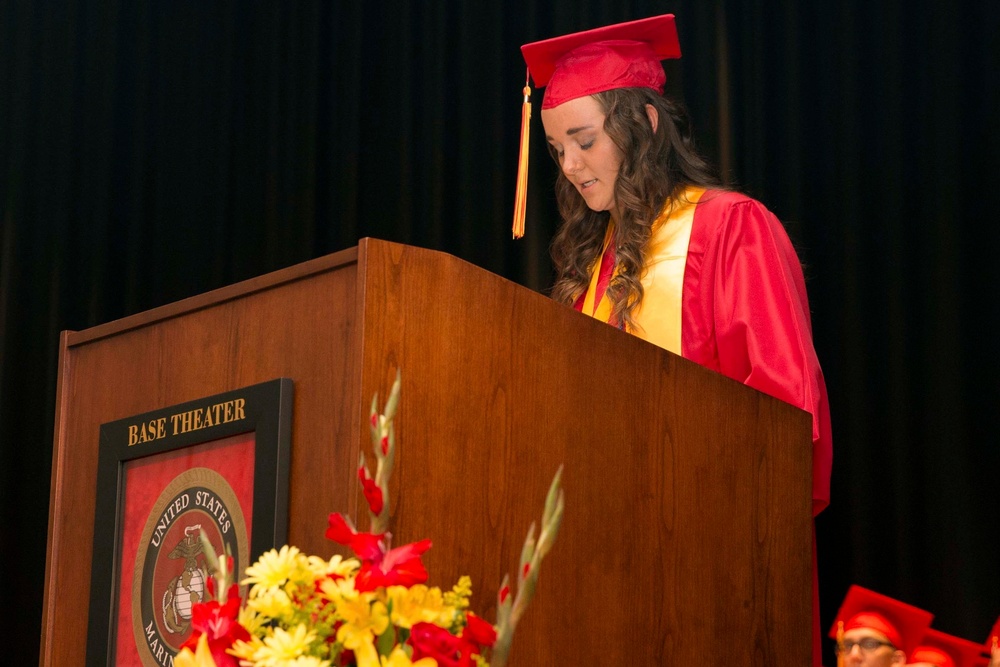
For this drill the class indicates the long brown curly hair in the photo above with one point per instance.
(654, 166)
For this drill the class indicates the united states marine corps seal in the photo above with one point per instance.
(171, 573)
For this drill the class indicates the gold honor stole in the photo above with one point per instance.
(658, 317)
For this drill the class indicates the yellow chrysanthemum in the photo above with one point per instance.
(306, 661)
(273, 567)
(272, 603)
(246, 650)
(250, 619)
(338, 565)
(398, 658)
(276, 569)
(281, 647)
(334, 589)
(418, 603)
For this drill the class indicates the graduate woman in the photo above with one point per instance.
(649, 241)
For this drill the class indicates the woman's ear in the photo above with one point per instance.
(653, 116)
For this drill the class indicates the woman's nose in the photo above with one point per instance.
(571, 162)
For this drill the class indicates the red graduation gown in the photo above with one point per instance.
(738, 298)
(745, 314)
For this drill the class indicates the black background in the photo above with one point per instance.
(153, 150)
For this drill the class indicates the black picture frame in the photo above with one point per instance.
(264, 409)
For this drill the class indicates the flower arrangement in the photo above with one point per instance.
(371, 610)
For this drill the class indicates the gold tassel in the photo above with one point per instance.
(840, 644)
(521, 196)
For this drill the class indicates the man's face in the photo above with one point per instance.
(879, 654)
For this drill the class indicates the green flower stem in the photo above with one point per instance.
(218, 566)
(509, 611)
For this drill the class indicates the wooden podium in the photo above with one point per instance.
(687, 534)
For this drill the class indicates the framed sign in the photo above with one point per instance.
(217, 465)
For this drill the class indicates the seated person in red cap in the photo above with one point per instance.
(651, 243)
(938, 649)
(873, 630)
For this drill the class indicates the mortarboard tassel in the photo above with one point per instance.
(840, 644)
(521, 195)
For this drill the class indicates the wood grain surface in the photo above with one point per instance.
(687, 533)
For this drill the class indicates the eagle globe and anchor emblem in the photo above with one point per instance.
(187, 588)
(172, 573)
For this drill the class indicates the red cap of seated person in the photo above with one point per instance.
(624, 55)
(902, 624)
(944, 650)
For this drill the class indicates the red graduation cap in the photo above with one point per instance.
(993, 640)
(902, 624)
(624, 55)
(943, 650)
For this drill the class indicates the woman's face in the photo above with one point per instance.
(587, 155)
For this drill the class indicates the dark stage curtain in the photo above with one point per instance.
(150, 151)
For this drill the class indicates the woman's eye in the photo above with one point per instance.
(587, 145)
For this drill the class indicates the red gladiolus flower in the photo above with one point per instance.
(367, 546)
(504, 592)
(385, 445)
(218, 623)
(380, 567)
(397, 567)
(338, 530)
(373, 494)
(431, 641)
(478, 631)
